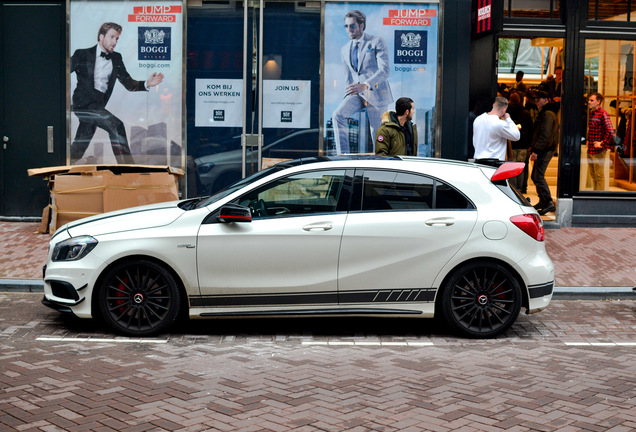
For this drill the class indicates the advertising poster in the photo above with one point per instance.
(396, 56)
(126, 82)
(286, 104)
(219, 103)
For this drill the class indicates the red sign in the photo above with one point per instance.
(154, 14)
(409, 17)
(484, 16)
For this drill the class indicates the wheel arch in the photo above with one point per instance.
(182, 291)
(524, 289)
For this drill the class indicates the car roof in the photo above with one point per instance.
(389, 160)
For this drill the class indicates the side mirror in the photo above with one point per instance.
(235, 213)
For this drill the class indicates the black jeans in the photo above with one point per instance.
(538, 176)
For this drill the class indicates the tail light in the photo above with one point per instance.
(531, 224)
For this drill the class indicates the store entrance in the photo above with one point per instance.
(252, 88)
(527, 66)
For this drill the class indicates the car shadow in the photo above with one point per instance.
(322, 327)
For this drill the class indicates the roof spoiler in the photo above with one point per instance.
(508, 170)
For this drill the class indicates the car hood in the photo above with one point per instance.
(149, 216)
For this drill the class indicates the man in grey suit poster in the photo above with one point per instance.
(366, 64)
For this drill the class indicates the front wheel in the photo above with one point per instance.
(138, 298)
(482, 299)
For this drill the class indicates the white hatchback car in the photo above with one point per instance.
(405, 237)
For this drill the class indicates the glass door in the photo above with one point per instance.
(253, 85)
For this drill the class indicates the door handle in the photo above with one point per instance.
(324, 226)
(446, 221)
(5, 140)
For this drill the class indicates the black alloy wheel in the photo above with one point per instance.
(481, 300)
(139, 298)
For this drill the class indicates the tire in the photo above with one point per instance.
(139, 298)
(481, 300)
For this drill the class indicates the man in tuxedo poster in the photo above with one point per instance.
(97, 68)
(366, 64)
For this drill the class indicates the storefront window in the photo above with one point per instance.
(376, 53)
(611, 10)
(531, 8)
(607, 154)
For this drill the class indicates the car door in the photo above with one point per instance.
(288, 255)
(407, 228)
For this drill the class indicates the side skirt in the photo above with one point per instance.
(314, 312)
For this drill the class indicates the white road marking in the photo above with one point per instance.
(366, 343)
(600, 343)
(99, 340)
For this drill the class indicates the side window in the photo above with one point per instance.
(386, 190)
(302, 194)
(449, 198)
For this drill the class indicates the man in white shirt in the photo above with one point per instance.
(492, 130)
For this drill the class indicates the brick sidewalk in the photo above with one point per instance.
(583, 257)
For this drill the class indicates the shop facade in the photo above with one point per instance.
(246, 84)
(592, 44)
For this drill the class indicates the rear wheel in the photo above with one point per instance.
(139, 298)
(482, 299)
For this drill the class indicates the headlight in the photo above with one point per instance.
(205, 168)
(73, 249)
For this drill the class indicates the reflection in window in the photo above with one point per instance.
(609, 70)
(302, 194)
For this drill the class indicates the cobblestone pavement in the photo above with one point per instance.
(583, 257)
(571, 367)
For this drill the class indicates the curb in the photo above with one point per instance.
(594, 293)
(560, 293)
(17, 285)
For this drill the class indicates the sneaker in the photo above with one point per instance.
(548, 209)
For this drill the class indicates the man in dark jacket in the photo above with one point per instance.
(521, 116)
(397, 135)
(97, 69)
(544, 144)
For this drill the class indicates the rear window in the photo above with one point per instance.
(511, 192)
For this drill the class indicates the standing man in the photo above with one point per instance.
(519, 85)
(366, 64)
(398, 134)
(600, 134)
(521, 116)
(492, 130)
(97, 69)
(544, 143)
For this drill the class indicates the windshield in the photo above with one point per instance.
(236, 186)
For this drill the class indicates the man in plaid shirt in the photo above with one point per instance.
(600, 138)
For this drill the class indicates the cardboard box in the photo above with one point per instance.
(80, 191)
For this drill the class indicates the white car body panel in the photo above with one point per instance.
(245, 258)
(380, 255)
